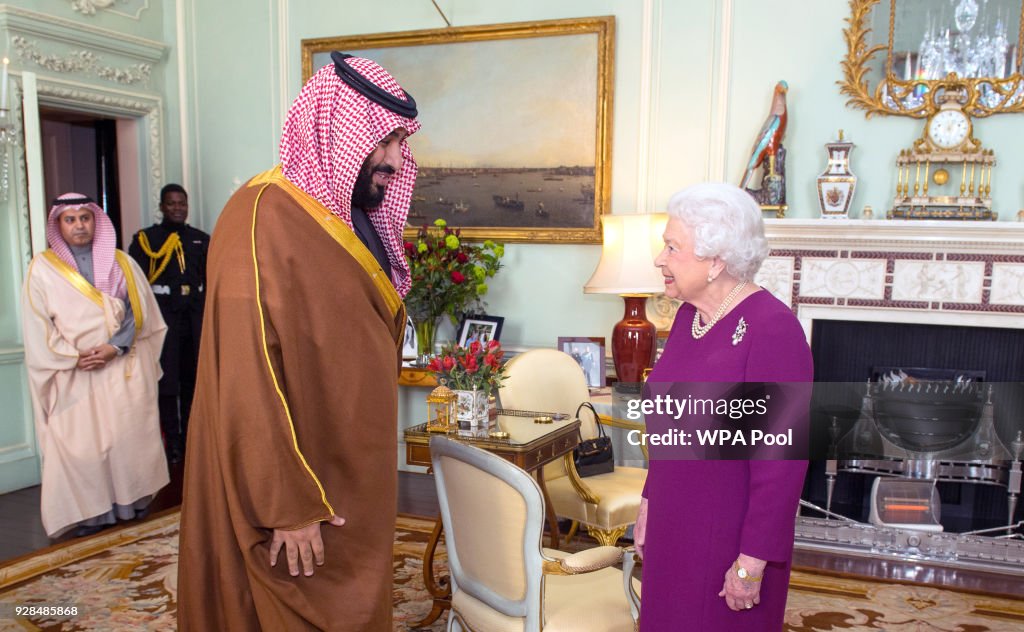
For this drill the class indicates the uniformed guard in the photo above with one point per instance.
(173, 256)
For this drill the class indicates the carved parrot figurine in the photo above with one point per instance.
(769, 139)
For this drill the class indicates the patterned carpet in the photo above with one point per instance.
(125, 581)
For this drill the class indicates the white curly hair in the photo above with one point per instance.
(726, 223)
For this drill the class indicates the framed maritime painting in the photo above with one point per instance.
(515, 143)
(409, 341)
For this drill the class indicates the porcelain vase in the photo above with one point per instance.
(837, 184)
(471, 406)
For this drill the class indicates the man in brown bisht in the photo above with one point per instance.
(290, 470)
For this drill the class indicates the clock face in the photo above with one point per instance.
(949, 128)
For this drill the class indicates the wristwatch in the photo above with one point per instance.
(120, 350)
(743, 573)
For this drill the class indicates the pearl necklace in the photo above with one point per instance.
(698, 330)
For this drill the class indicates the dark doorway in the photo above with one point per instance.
(80, 155)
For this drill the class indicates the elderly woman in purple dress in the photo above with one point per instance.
(716, 536)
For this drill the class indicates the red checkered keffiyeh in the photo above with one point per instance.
(108, 277)
(330, 130)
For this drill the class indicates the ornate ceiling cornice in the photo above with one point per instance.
(41, 27)
(82, 62)
(89, 7)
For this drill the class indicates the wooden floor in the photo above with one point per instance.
(21, 533)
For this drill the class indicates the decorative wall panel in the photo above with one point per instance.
(847, 278)
(927, 268)
(1007, 284)
(937, 281)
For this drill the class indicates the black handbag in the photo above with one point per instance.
(593, 456)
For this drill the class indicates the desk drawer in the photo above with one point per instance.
(417, 454)
(565, 444)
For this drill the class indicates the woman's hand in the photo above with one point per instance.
(640, 529)
(743, 594)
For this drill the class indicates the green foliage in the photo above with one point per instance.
(448, 275)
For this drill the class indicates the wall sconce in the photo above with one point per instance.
(8, 131)
(630, 244)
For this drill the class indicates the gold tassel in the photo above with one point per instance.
(172, 245)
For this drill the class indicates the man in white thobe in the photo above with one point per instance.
(93, 335)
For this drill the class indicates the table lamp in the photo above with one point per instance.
(631, 242)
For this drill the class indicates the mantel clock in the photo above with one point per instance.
(950, 170)
(947, 64)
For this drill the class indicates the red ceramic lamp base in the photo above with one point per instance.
(633, 340)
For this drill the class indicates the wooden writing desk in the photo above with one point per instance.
(530, 446)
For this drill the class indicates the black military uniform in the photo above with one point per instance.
(177, 274)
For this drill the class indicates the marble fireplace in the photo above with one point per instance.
(965, 277)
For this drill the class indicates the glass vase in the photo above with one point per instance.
(426, 329)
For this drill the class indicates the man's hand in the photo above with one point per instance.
(304, 543)
(97, 357)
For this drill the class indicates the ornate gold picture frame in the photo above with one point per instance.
(917, 97)
(516, 137)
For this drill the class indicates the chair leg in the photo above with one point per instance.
(607, 537)
(572, 531)
(455, 623)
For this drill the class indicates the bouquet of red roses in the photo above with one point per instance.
(478, 366)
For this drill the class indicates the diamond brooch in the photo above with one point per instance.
(741, 330)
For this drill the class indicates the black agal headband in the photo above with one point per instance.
(372, 91)
(71, 201)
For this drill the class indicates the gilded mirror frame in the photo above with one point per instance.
(533, 229)
(1008, 92)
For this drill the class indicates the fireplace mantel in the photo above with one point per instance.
(964, 273)
(903, 271)
(909, 235)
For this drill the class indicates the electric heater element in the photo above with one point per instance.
(909, 504)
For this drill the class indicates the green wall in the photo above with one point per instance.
(712, 67)
(692, 85)
(802, 43)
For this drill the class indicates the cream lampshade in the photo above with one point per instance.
(631, 242)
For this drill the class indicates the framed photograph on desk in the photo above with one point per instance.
(589, 354)
(409, 343)
(480, 328)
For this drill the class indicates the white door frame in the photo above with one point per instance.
(19, 456)
(145, 109)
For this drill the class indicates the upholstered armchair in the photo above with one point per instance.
(501, 579)
(606, 504)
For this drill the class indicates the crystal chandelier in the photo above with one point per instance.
(961, 48)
